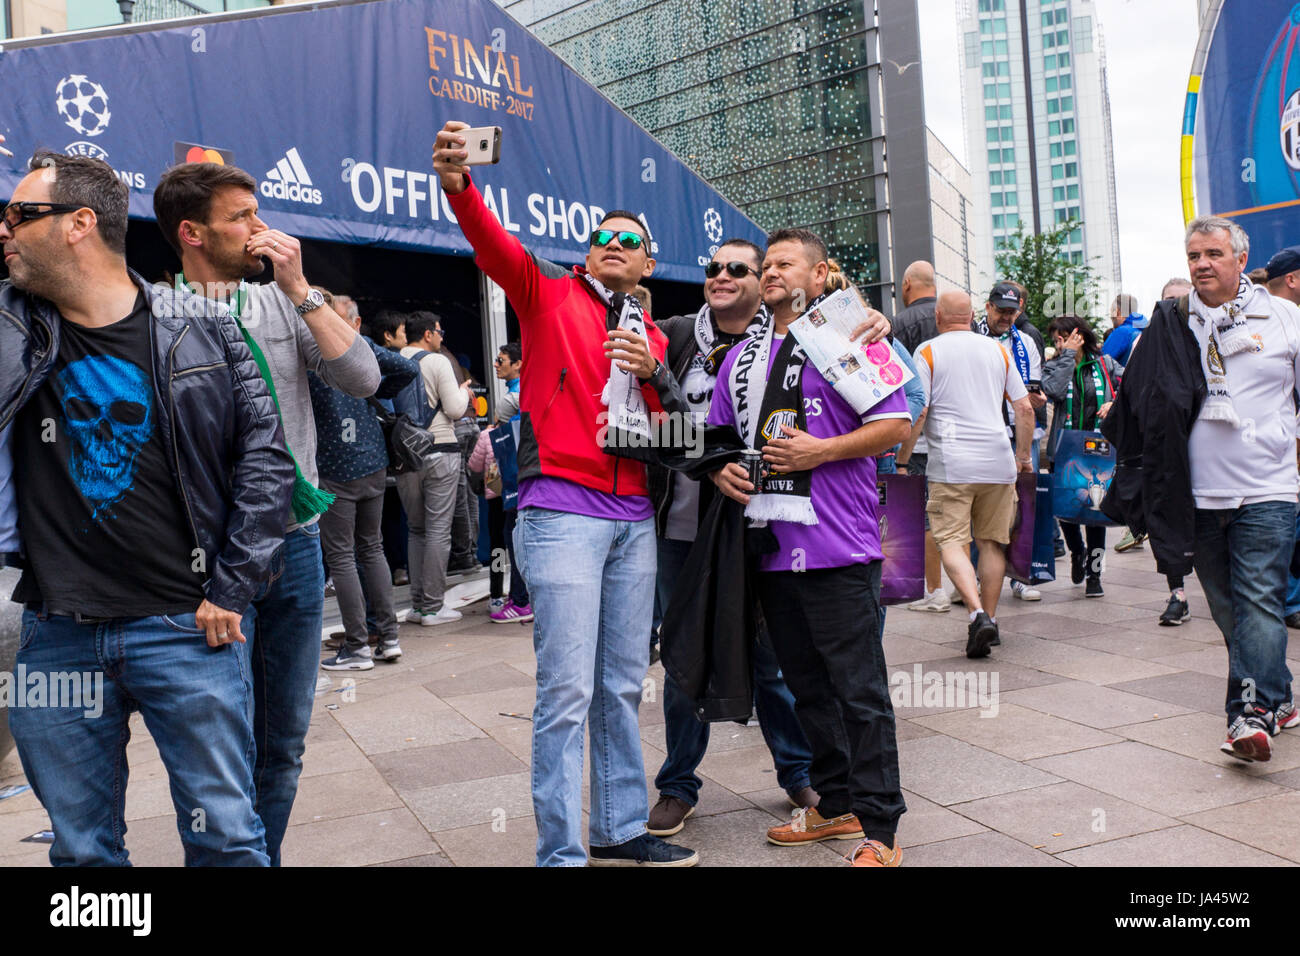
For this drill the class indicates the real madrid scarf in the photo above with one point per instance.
(1222, 331)
(308, 500)
(628, 424)
(763, 403)
(711, 348)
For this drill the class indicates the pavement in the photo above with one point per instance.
(1098, 746)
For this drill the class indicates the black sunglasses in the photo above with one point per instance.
(627, 239)
(17, 213)
(737, 270)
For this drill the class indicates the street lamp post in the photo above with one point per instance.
(126, 6)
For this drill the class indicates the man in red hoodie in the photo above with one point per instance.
(585, 539)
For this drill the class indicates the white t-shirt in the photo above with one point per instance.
(967, 377)
(1256, 462)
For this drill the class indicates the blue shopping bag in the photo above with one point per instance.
(1082, 470)
(1043, 566)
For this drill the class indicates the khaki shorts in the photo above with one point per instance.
(958, 512)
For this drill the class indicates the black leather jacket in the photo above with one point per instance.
(219, 424)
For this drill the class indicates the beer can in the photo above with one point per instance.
(753, 463)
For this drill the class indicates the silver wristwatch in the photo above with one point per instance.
(313, 301)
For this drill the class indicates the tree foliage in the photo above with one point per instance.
(1053, 284)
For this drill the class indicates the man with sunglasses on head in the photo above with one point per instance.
(585, 534)
(151, 486)
(697, 344)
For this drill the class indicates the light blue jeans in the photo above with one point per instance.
(592, 585)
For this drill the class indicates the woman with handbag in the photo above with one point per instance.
(1081, 382)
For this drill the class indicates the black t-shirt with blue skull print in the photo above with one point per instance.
(102, 521)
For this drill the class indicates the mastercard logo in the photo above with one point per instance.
(198, 153)
(480, 406)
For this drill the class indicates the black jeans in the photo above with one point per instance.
(825, 628)
(501, 535)
(1096, 535)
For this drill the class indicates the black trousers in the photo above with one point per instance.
(501, 535)
(825, 627)
(1096, 535)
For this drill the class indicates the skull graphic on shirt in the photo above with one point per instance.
(108, 414)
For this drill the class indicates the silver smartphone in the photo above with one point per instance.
(483, 143)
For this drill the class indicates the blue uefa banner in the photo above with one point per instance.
(334, 111)
(1246, 123)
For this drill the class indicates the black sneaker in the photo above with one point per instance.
(645, 850)
(979, 635)
(1176, 612)
(997, 635)
(1078, 567)
(1293, 620)
(1093, 588)
(1058, 548)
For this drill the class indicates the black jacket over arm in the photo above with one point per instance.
(1150, 424)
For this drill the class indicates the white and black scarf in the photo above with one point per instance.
(763, 403)
(628, 413)
(711, 349)
(1222, 331)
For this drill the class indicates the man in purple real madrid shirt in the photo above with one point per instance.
(820, 588)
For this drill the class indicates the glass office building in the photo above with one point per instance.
(1038, 126)
(777, 103)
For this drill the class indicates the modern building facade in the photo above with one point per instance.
(1038, 128)
(801, 112)
(952, 218)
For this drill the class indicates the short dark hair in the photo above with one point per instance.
(417, 323)
(185, 192)
(82, 181)
(751, 246)
(810, 241)
(513, 351)
(626, 214)
(385, 321)
(1063, 325)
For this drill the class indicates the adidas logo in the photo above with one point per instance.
(290, 180)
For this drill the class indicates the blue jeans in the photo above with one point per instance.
(1242, 557)
(286, 656)
(688, 737)
(1293, 584)
(197, 702)
(591, 583)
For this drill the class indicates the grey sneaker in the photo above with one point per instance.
(388, 650)
(350, 660)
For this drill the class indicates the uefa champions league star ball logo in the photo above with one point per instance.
(83, 104)
(713, 225)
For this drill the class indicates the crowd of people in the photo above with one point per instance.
(215, 443)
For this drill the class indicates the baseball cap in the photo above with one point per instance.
(1288, 260)
(1005, 296)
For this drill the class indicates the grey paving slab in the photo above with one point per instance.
(1190, 689)
(1055, 626)
(430, 859)
(1092, 705)
(1287, 778)
(1178, 846)
(948, 771)
(357, 840)
(900, 649)
(492, 677)
(1271, 824)
(1144, 645)
(335, 795)
(511, 842)
(1009, 676)
(982, 849)
(1156, 779)
(411, 717)
(1199, 736)
(1062, 816)
(335, 756)
(461, 760)
(741, 770)
(457, 805)
(1211, 659)
(14, 827)
(1017, 732)
(927, 822)
(739, 838)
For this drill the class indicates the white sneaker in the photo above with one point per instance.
(496, 604)
(936, 600)
(1025, 592)
(444, 616)
(956, 598)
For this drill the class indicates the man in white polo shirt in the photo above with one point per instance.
(971, 470)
